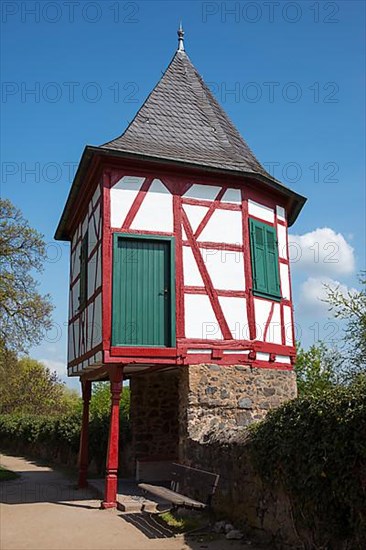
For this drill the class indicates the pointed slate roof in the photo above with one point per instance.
(181, 120)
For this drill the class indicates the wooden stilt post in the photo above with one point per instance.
(84, 436)
(111, 480)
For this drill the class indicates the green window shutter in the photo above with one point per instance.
(83, 289)
(273, 283)
(258, 247)
(264, 256)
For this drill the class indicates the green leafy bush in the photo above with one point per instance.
(315, 447)
(57, 437)
(50, 430)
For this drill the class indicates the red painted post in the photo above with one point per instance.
(84, 436)
(111, 479)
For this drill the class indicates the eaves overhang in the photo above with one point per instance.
(91, 153)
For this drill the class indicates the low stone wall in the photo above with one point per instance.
(265, 515)
(206, 409)
(214, 397)
(216, 405)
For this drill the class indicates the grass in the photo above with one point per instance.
(181, 524)
(7, 475)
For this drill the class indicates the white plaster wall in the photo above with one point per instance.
(285, 281)
(287, 319)
(97, 333)
(235, 352)
(99, 267)
(200, 320)
(94, 323)
(122, 196)
(70, 347)
(76, 236)
(195, 214)
(156, 210)
(282, 241)
(224, 226)
(235, 313)
(75, 263)
(232, 196)
(95, 196)
(75, 299)
(93, 229)
(274, 330)
(92, 266)
(84, 225)
(89, 317)
(192, 276)
(281, 214)
(98, 357)
(94, 272)
(202, 192)
(260, 211)
(76, 326)
(262, 309)
(226, 268)
(283, 359)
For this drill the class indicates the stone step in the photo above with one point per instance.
(126, 502)
(135, 506)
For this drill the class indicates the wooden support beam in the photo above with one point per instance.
(111, 480)
(84, 436)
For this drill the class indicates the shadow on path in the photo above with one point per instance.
(151, 527)
(39, 483)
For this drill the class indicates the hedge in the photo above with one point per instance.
(316, 449)
(57, 438)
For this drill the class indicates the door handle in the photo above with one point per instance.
(164, 293)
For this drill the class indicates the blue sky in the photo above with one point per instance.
(289, 74)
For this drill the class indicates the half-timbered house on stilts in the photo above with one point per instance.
(179, 275)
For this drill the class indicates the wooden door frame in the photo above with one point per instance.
(172, 310)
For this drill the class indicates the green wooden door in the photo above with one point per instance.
(143, 298)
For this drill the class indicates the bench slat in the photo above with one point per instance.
(172, 496)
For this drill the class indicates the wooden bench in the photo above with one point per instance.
(184, 480)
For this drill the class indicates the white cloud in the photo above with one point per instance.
(313, 291)
(321, 252)
(58, 366)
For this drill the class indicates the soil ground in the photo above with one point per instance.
(42, 510)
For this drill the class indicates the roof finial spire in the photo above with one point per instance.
(180, 38)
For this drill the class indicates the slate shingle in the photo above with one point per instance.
(181, 120)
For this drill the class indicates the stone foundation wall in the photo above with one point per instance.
(217, 403)
(154, 415)
(262, 513)
(214, 397)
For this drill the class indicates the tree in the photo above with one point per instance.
(24, 313)
(318, 369)
(29, 387)
(100, 404)
(351, 307)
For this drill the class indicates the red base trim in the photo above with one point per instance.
(85, 356)
(119, 351)
(107, 505)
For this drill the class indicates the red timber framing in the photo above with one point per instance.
(84, 436)
(178, 186)
(115, 375)
(224, 351)
(111, 480)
